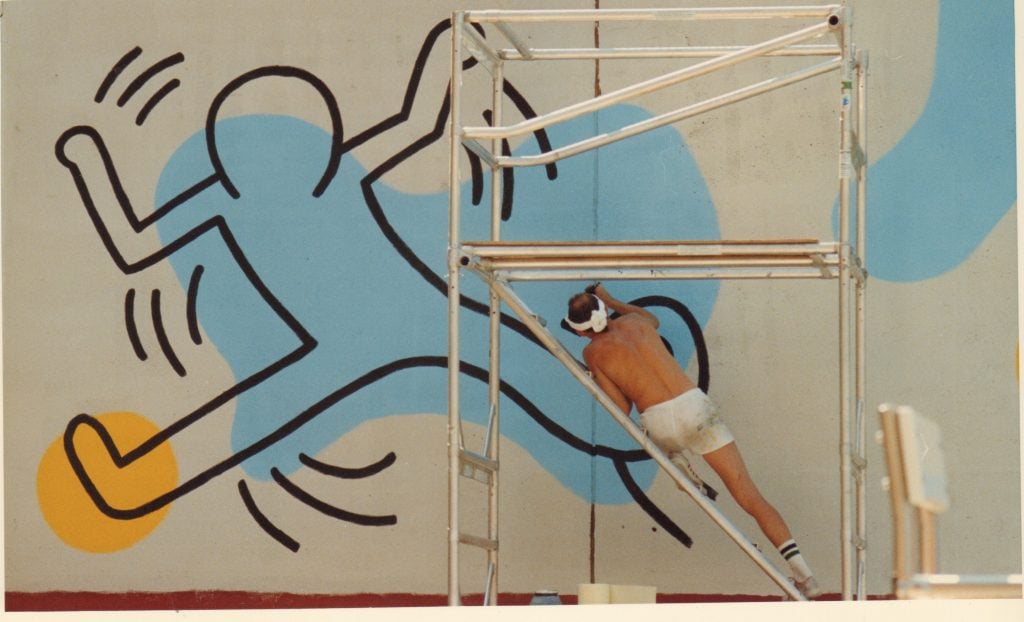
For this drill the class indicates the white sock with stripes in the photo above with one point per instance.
(791, 553)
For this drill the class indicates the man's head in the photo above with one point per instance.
(586, 313)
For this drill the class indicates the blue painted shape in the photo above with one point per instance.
(329, 264)
(934, 198)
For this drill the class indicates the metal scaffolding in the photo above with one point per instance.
(498, 262)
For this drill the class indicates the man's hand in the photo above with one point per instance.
(598, 290)
(620, 307)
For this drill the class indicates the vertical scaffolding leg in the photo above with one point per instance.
(845, 453)
(483, 466)
(454, 422)
(845, 170)
(861, 339)
(494, 377)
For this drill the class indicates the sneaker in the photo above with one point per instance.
(684, 465)
(809, 588)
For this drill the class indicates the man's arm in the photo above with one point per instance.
(622, 308)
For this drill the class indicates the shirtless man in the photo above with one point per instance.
(629, 361)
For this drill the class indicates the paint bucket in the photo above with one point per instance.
(545, 597)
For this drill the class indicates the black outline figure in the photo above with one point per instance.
(306, 343)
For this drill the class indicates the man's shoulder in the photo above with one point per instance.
(630, 321)
(628, 318)
(634, 321)
(594, 349)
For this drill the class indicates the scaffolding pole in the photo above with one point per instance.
(498, 262)
(454, 416)
(861, 169)
(494, 351)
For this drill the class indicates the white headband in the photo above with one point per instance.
(598, 319)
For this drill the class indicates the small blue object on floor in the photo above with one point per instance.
(545, 597)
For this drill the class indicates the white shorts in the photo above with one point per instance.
(688, 421)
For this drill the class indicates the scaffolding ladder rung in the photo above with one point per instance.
(477, 467)
(478, 541)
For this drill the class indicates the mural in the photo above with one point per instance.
(320, 284)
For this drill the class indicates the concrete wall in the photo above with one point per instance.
(238, 344)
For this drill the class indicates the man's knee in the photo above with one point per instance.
(750, 499)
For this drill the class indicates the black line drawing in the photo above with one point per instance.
(261, 519)
(78, 139)
(131, 327)
(116, 71)
(191, 313)
(330, 510)
(139, 82)
(158, 97)
(135, 85)
(347, 472)
(161, 335)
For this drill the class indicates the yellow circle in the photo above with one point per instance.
(69, 510)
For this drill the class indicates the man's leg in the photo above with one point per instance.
(728, 463)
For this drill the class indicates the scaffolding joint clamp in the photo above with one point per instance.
(858, 271)
(457, 257)
(478, 47)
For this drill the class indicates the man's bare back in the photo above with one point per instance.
(629, 360)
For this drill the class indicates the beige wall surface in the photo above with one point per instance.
(274, 359)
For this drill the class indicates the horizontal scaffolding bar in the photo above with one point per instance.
(707, 51)
(689, 14)
(655, 263)
(647, 86)
(660, 274)
(648, 260)
(647, 248)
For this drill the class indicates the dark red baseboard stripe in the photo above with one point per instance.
(170, 601)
